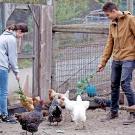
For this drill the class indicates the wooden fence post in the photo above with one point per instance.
(46, 50)
(36, 52)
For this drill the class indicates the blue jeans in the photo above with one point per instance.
(121, 75)
(3, 91)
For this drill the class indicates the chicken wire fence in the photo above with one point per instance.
(75, 57)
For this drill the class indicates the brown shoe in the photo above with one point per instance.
(130, 120)
(110, 116)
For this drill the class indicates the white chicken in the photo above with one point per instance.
(77, 110)
(78, 98)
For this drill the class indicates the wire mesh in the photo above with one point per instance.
(76, 56)
(86, 11)
(74, 11)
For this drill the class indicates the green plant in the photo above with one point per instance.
(24, 63)
(21, 95)
(27, 48)
(25, 1)
(68, 9)
(103, 1)
(30, 23)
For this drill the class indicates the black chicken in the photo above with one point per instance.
(55, 112)
(30, 120)
(102, 102)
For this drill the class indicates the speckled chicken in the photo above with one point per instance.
(30, 121)
(55, 112)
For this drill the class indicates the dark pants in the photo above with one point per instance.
(121, 75)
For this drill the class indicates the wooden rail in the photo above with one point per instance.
(81, 28)
(26, 56)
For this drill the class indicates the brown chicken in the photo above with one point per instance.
(36, 100)
(58, 96)
(46, 106)
(30, 121)
(53, 94)
(26, 101)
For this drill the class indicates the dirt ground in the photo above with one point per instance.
(93, 126)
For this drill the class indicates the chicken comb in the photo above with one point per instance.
(62, 98)
(41, 102)
(50, 90)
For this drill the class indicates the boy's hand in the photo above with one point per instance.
(17, 77)
(100, 68)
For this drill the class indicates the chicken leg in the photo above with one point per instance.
(84, 127)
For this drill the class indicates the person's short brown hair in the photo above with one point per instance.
(19, 26)
(109, 6)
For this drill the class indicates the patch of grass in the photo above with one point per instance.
(24, 63)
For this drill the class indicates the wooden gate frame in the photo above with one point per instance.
(42, 57)
(43, 43)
